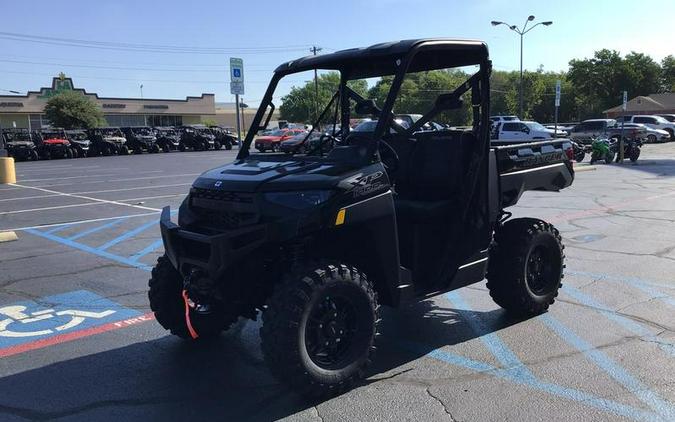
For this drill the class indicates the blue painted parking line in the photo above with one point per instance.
(128, 235)
(625, 322)
(95, 229)
(27, 322)
(647, 286)
(55, 229)
(572, 394)
(89, 249)
(494, 344)
(151, 247)
(614, 370)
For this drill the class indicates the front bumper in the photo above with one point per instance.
(212, 254)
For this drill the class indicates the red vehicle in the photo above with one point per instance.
(53, 143)
(272, 140)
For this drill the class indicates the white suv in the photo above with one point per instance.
(654, 122)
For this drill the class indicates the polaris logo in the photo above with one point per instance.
(218, 183)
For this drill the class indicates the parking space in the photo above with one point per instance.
(78, 341)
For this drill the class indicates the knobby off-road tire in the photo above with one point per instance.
(167, 303)
(526, 265)
(319, 328)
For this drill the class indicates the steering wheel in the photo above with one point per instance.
(389, 159)
(322, 140)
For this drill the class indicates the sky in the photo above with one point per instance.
(266, 33)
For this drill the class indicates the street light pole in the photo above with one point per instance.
(522, 33)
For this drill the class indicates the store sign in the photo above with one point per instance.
(156, 106)
(59, 85)
(11, 104)
(114, 105)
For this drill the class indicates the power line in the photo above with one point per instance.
(156, 48)
(153, 69)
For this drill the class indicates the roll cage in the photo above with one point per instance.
(387, 59)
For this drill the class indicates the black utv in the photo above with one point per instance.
(19, 144)
(107, 141)
(79, 142)
(196, 138)
(316, 242)
(168, 138)
(140, 138)
(224, 138)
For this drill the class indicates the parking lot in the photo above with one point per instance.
(78, 340)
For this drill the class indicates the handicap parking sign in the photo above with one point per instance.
(28, 321)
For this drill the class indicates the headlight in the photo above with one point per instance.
(299, 200)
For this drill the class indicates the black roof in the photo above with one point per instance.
(380, 59)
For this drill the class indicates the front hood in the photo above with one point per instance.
(20, 144)
(83, 142)
(115, 139)
(253, 175)
(56, 141)
(267, 139)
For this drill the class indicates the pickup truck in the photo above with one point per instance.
(509, 132)
(586, 131)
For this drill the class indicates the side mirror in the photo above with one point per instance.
(526, 129)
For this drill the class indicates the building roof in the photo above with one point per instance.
(383, 59)
(651, 103)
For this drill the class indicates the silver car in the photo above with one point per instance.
(651, 135)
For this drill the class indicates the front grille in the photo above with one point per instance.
(222, 210)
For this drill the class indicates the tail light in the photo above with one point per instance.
(570, 152)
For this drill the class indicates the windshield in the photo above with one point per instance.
(78, 136)
(537, 126)
(660, 119)
(52, 135)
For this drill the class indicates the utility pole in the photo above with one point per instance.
(315, 50)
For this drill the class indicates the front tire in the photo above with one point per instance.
(166, 301)
(217, 145)
(319, 328)
(526, 265)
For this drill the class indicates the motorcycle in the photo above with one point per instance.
(578, 152)
(631, 149)
(603, 149)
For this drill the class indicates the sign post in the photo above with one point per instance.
(557, 105)
(623, 120)
(237, 86)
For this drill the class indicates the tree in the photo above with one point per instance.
(72, 110)
(668, 74)
(209, 122)
(299, 105)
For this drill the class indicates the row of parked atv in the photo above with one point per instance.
(607, 150)
(46, 144)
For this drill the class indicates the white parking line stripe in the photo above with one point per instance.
(89, 176)
(92, 220)
(88, 198)
(48, 169)
(50, 208)
(152, 197)
(98, 191)
(167, 176)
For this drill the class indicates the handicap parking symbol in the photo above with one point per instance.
(28, 321)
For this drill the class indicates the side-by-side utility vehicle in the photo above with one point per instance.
(317, 241)
(19, 144)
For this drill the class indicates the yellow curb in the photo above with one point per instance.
(584, 168)
(7, 173)
(8, 236)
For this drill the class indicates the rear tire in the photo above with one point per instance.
(68, 153)
(166, 301)
(651, 139)
(155, 148)
(526, 265)
(319, 328)
(609, 157)
(634, 154)
(34, 155)
(217, 145)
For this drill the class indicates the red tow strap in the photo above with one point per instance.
(190, 328)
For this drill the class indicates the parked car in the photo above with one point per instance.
(650, 135)
(79, 142)
(272, 141)
(107, 141)
(19, 144)
(140, 138)
(502, 119)
(588, 130)
(167, 138)
(520, 131)
(196, 138)
(52, 143)
(654, 122)
(289, 146)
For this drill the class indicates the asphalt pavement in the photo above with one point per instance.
(78, 341)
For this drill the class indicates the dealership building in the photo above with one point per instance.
(27, 111)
